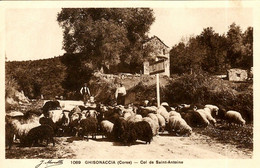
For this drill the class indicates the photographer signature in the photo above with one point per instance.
(49, 163)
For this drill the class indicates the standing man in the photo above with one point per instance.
(120, 95)
(85, 93)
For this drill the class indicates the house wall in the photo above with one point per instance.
(237, 75)
(161, 52)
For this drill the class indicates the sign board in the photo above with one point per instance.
(157, 67)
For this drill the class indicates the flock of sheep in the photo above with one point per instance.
(118, 123)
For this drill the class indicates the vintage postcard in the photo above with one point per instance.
(129, 84)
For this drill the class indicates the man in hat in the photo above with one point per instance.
(85, 93)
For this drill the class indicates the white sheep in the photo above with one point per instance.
(161, 121)
(234, 117)
(162, 110)
(153, 124)
(134, 118)
(214, 109)
(23, 126)
(203, 116)
(207, 114)
(179, 125)
(107, 127)
(153, 117)
(174, 113)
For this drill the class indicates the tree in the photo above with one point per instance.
(235, 45)
(247, 60)
(106, 36)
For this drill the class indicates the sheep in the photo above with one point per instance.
(47, 121)
(127, 115)
(153, 124)
(174, 113)
(153, 117)
(106, 127)
(203, 117)
(234, 117)
(161, 110)
(21, 126)
(42, 132)
(207, 114)
(92, 113)
(194, 119)
(137, 131)
(134, 118)
(179, 126)
(9, 135)
(161, 121)
(88, 126)
(51, 105)
(214, 109)
(120, 126)
(61, 119)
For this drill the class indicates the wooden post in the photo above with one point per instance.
(158, 87)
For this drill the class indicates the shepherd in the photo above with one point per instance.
(120, 95)
(85, 93)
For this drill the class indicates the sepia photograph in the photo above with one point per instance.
(105, 83)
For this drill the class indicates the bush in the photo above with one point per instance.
(203, 89)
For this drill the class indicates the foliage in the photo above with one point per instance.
(106, 36)
(204, 89)
(212, 52)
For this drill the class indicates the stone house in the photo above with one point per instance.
(160, 51)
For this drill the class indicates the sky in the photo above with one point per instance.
(35, 34)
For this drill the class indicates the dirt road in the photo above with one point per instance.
(162, 147)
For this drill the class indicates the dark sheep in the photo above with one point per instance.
(47, 121)
(120, 126)
(143, 112)
(137, 131)
(193, 119)
(42, 132)
(9, 135)
(51, 105)
(73, 127)
(88, 126)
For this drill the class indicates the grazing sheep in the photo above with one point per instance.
(22, 125)
(203, 116)
(137, 131)
(234, 117)
(194, 119)
(153, 117)
(214, 109)
(143, 111)
(207, 114)
(42, 132)
(134, 118)
(92, 113)
(161, 110)
(47, 121)
(221, 112)
(174, 113)
(51, 105)
(127, 115)
(120, 126)
(179, 126)
(107, 127)
(161, 121)
(9, 135)
(61, 119)
(88, 126)
(153, 124)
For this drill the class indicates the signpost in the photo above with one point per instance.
(156, 68)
